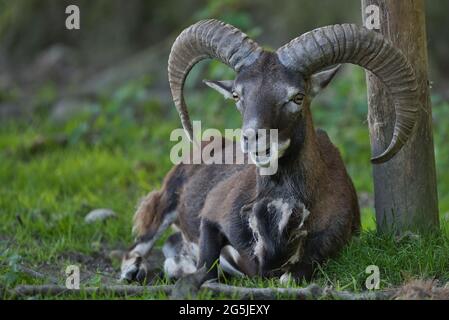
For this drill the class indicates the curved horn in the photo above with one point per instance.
(349, 43)
(206, 39)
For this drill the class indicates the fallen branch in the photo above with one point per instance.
(118, 290)
(244, 293)
(313, 291)
(35, 274)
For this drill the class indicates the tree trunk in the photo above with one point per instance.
(405, 187)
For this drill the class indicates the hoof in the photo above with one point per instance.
(134, 268)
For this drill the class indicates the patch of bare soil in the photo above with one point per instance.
(92, 266)
(97, 267)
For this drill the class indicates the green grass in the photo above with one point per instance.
(119, 150)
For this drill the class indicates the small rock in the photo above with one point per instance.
(99, 215)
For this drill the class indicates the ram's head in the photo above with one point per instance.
(273, 90)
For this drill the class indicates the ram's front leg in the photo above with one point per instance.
(318, 247)
(211, 242)
(299, 272)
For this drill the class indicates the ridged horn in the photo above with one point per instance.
(206, 39)
(348, 43)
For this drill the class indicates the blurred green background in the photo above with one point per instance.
(85, 117)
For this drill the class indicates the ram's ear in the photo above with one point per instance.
(224, 87)
(321, 79)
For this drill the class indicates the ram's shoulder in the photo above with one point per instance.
(328, 150)
(323, 139)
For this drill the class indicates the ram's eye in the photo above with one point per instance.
(298, 98)
(235, 96)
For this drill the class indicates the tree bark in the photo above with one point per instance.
(405, 187)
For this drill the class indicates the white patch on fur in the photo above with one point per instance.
(284, 208)
(253, 223)
(285, 278)
(258, 248)
(230, 263)
(299, 250)
(293, 107)
(305, 214)
(300, 234)
(291, 91)
(234, 253)
(128, 267)
(179, 266)
(171, 267)
(184, 262)
(142, 249)
(192, 250)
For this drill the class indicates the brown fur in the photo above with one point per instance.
(148, 217)
(214, 203)
(211, 191)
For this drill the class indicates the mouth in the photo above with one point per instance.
(264, 158)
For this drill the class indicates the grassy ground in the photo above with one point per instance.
(52, 174)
